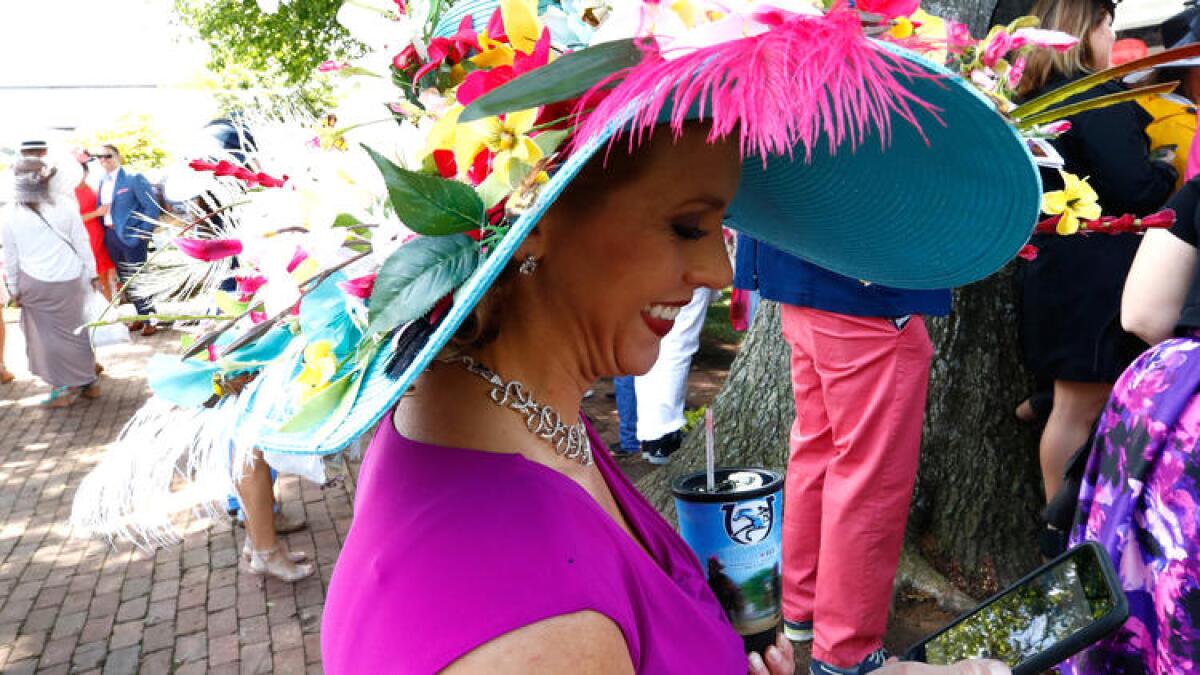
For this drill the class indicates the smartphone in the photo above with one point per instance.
(1053, 613)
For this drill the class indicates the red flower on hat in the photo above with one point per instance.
(451, 50)
(481, 82)
(201, 165)
(1164, 218)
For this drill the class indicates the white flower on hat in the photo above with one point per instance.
(380, 26)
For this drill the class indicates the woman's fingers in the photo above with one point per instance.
(757, 667)
(973, 667)
(778, 663)
(981, 667)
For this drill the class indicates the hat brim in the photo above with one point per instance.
(937, 207)
(927, 211)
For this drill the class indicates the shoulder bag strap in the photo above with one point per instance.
(83, 266)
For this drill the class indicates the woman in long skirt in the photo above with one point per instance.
(49, 269)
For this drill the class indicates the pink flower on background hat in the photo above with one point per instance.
(958, 36)
(1040, 37)
(998, 44)
(1057, 128)
(889, 8)
(208, 250)
(1016, 71)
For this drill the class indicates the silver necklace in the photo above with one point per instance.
(541, 420)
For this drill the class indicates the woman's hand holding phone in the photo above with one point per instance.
(780, 659)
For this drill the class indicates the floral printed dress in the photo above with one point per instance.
(1139, 500)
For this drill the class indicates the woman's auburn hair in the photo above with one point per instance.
(1074, 17)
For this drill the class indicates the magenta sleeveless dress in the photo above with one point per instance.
(451, 548)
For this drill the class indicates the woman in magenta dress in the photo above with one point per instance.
(493, 533)
(90, 211)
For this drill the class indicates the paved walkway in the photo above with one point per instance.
(78, 605)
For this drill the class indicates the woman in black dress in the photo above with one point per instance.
(1070, 295)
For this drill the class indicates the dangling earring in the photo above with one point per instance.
(528, 266)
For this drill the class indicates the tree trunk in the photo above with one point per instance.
(974, 13)
(976, 508)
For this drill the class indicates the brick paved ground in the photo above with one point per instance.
(77, 605)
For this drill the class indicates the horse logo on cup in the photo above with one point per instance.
(749, 522)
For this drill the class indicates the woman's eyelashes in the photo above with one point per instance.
(688, 229)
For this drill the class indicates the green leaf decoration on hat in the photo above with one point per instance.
(565, 78)
(416, 276)
(332, 402)
(1024, 112)
(430, 205)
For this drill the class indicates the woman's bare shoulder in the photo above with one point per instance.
(582, 642)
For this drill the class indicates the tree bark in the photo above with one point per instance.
(976, 506)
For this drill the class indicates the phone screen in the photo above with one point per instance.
(1032, 617)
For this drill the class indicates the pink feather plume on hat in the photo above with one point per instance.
(809, 78)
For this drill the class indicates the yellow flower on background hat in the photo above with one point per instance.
(1076, 200)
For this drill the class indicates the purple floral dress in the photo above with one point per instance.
(1138, 500)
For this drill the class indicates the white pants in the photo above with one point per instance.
(662, 392)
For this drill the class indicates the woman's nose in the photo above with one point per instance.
(711, 268)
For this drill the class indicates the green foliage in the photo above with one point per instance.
(250, 49)
(565, 78)
(430, 205)
(416, 276)
(332, 402)
(693, 417)
(134, 134)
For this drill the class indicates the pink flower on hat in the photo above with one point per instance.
(208, 250)
(889, 8)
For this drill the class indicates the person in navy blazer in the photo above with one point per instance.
(126, 201)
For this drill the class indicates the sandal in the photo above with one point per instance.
(275, 563)
(61, 397)
(248, 553)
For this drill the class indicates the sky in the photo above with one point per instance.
(85, 48)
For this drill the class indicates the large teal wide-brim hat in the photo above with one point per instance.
(937, 206)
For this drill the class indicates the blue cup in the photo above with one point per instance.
(737, 533)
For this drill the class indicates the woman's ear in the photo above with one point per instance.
(534, 244)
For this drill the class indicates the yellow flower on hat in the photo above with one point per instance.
(1076, 200)
(521, 23)
(492, 53)
(320, 365)
(505, 136)
(523, 29)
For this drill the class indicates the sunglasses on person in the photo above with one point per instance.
(109, 156)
